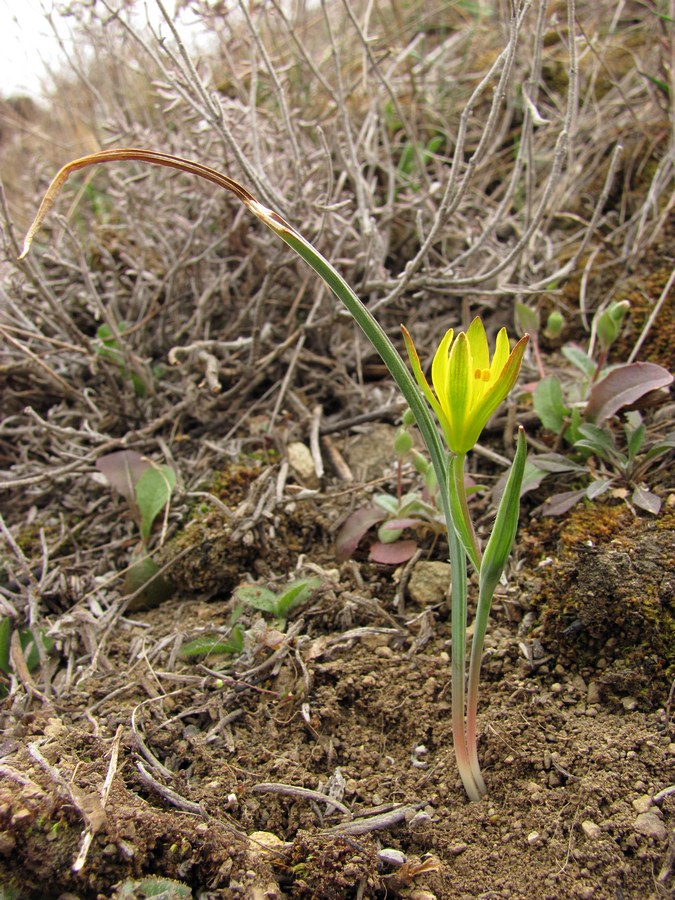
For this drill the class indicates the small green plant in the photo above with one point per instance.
(280, 605)
(580, 411)
(28, 641)
(468, 385)
(416, 510)
(210, 644)
(108, 347)
(147, 488)
(145, 485)
(605, 463)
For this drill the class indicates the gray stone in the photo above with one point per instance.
(301, 462)
(591, 830)
(650, 826)
(429, 582)
(391, 857)
(643, 804)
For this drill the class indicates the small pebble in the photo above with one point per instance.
(302, 463)
(390, 857)
(593, 692)
(21, 815)
(456, 849)
(534, 839)
(650, 826)
(429, 582)
(591, 830)
(420, 820)
(642, 804)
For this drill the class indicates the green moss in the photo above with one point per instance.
(608, 595)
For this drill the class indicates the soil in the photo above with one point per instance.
(319, 761)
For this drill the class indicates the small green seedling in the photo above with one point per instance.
(108, 347)
(279, 605)
(602, 391)
(413, 511)
(28, 639)
(147, 488)
(215, 644)
(580, 410)
(145, 485)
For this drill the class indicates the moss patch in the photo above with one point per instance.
(609, 599)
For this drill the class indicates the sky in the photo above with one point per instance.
(27, 42)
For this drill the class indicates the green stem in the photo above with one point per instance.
(469, 768)
(473, 789)
(479, 629)
(459, 507)
(450, 495)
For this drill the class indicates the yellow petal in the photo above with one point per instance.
(501, 354)
(439, 366)
(420, 377)
(500, 388)
(478, 345)
(459, 389)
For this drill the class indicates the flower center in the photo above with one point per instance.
(482, 374)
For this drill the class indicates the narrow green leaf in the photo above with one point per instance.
(572, 433)
(505, 525)
(28, 640)
(559, 504)
(598, 487)
(5, 635)
(294, 594)
(662, 85)
(660, 449)
(636, 439)
(594, 437)
(647, 500)
(209, 644)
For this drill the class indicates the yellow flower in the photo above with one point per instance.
(468, 388)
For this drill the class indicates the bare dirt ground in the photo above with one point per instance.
(320, 763)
